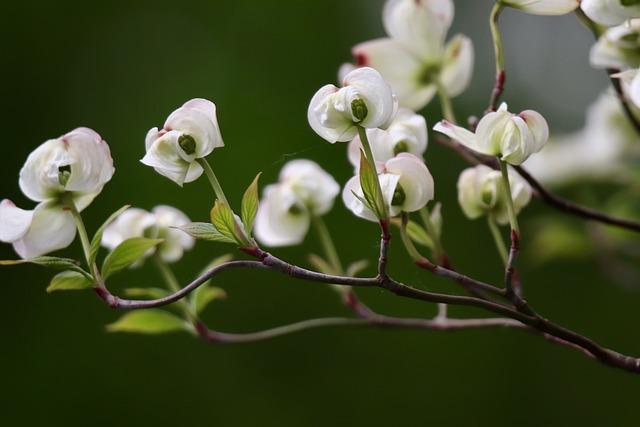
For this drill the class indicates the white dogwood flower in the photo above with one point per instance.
(160, 223)
(481, 191)
(407, 133)
(406, 183)
(414, 58)
(500, 133)
(617, 48)
(285, 212)
(364, 99)
(191, 132)
(544, 7)
(71, 169)
(610, 12)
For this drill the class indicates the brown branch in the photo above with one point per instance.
(624, 102)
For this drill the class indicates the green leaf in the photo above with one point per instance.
(224, 221)
(50, 262)
(97, 238)
(370, 187)
(204, 231)
(205, 295)
(195, 298)
(419, 234)
(320, 264)
(250, 202)
(150, 322)
(356, 267)
(127, 253)
(69, 280)
(151, 293)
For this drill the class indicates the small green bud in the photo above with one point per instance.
(296, 210)
(430, 73)
(487, 197)
(187, 143)
(359, 109)
(401, 147)
(399, 196)
(64, 173)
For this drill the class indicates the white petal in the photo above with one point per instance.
(415, 179)
(133, 222)
(609, 12)
(197, 118)
(167, 219)
(420, 26)
(617, 48)
(328, 123)
(490, 133)
(14, 222)
(544, 7)
(634, 90)
(460, 134)
(280, 220)
(377, 94)
(311, 184)
(39, 177)
(345, 69)
(408, 128)
(92, 165)
(457, 65)
(400, 68)
(381, 146)
(165, 156)
(52, 228)
(538, 127)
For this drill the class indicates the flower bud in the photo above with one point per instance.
(364, 100)
(544, 7)
(190, 133)
(406, 183)
(481, 191)
(406, 133)
(284, 215)
(511, 137)
(611, 12)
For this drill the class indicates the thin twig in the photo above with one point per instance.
(624, 102)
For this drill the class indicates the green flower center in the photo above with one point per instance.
(187, 143)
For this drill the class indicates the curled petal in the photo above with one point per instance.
(14, 222)
(168, 159)
(457, 67)
(538, 127)
(281, 219)
(415, 180)
(197, 118)
(311, 184)
(51, 228)
(328, 122)
(495, 132)
(377, 94)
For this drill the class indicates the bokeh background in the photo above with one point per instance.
(121, 67)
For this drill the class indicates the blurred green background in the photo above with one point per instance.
(121, 67)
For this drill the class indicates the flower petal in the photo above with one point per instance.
(133, 222)
(165, 157)
(14, 222)
(326, 121)
(377, 94)
(311, 184)
(415, 179)
(609, 12)
(420, 26)
(457, 65)
(460, 134)
(544, 7)
(92, 165)
(52, 228)
(281, 220)
(388, 184)
(197, 118)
